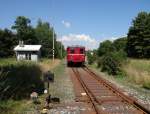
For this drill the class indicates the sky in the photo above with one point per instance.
(77, 22)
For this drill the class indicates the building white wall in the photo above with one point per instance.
(22, 56)
(34, 57)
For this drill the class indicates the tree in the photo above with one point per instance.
(91, 56)
(7, 42)
(44, 33)
(138, 41)
(59, 50)
(105, 47)
(120, 43)
(25, 32)
(112, 55)
(45, 37)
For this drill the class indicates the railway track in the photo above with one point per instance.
(105, 97)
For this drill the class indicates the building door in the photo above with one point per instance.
(29, 56)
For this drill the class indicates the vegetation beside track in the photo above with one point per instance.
(135, 72)
(18, 80)
(114, 57)
(134, 80)
(60, 88)
(138, 72)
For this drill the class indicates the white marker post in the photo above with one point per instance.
(53, 45)
(61, 48)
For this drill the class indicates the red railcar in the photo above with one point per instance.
(75, 55)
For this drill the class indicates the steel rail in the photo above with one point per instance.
(112, 87)
(86, 90)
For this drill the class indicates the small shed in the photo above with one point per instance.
(28, 52)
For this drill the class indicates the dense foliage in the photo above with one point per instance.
(105, 47)
(24, 30)
(7, 42)
(19, 80)
(111, 62)
(120, 44)
(138, 42)
(44, 34)
(41, 34)
(91, 56)
(112, 55)
(136, 45)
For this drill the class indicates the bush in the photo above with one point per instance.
(146, 85)
(17, 81)
(112, 62)
(110, 65)
(91, 57)
(99, 62)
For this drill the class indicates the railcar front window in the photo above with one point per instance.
(81, 51)
(72, 51)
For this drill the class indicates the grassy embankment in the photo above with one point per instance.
(60, 88)
(137, 73)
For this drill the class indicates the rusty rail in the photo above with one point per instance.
(133, 101)
(105, 97)
(86, 90)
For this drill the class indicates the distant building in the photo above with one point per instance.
(28, 52)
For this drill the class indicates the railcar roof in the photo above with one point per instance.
(76, 46)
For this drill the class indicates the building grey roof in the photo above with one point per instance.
(27, 48)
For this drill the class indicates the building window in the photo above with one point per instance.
(28, 56)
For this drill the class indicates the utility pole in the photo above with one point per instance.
(53, 45)
(61, 49)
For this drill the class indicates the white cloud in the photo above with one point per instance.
(84, 40)
(111, 38)
(66, 24)
(79, 39)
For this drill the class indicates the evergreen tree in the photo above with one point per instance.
(7, 42)
(105, 47)
(138, 41)
(24, 30)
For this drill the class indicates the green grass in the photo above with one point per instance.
(8, 61)
(138, 72)
(16, 107)
(141, 65)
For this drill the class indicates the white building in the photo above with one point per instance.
(28, 52)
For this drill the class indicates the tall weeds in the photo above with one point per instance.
(138, 71)
(19, 79)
